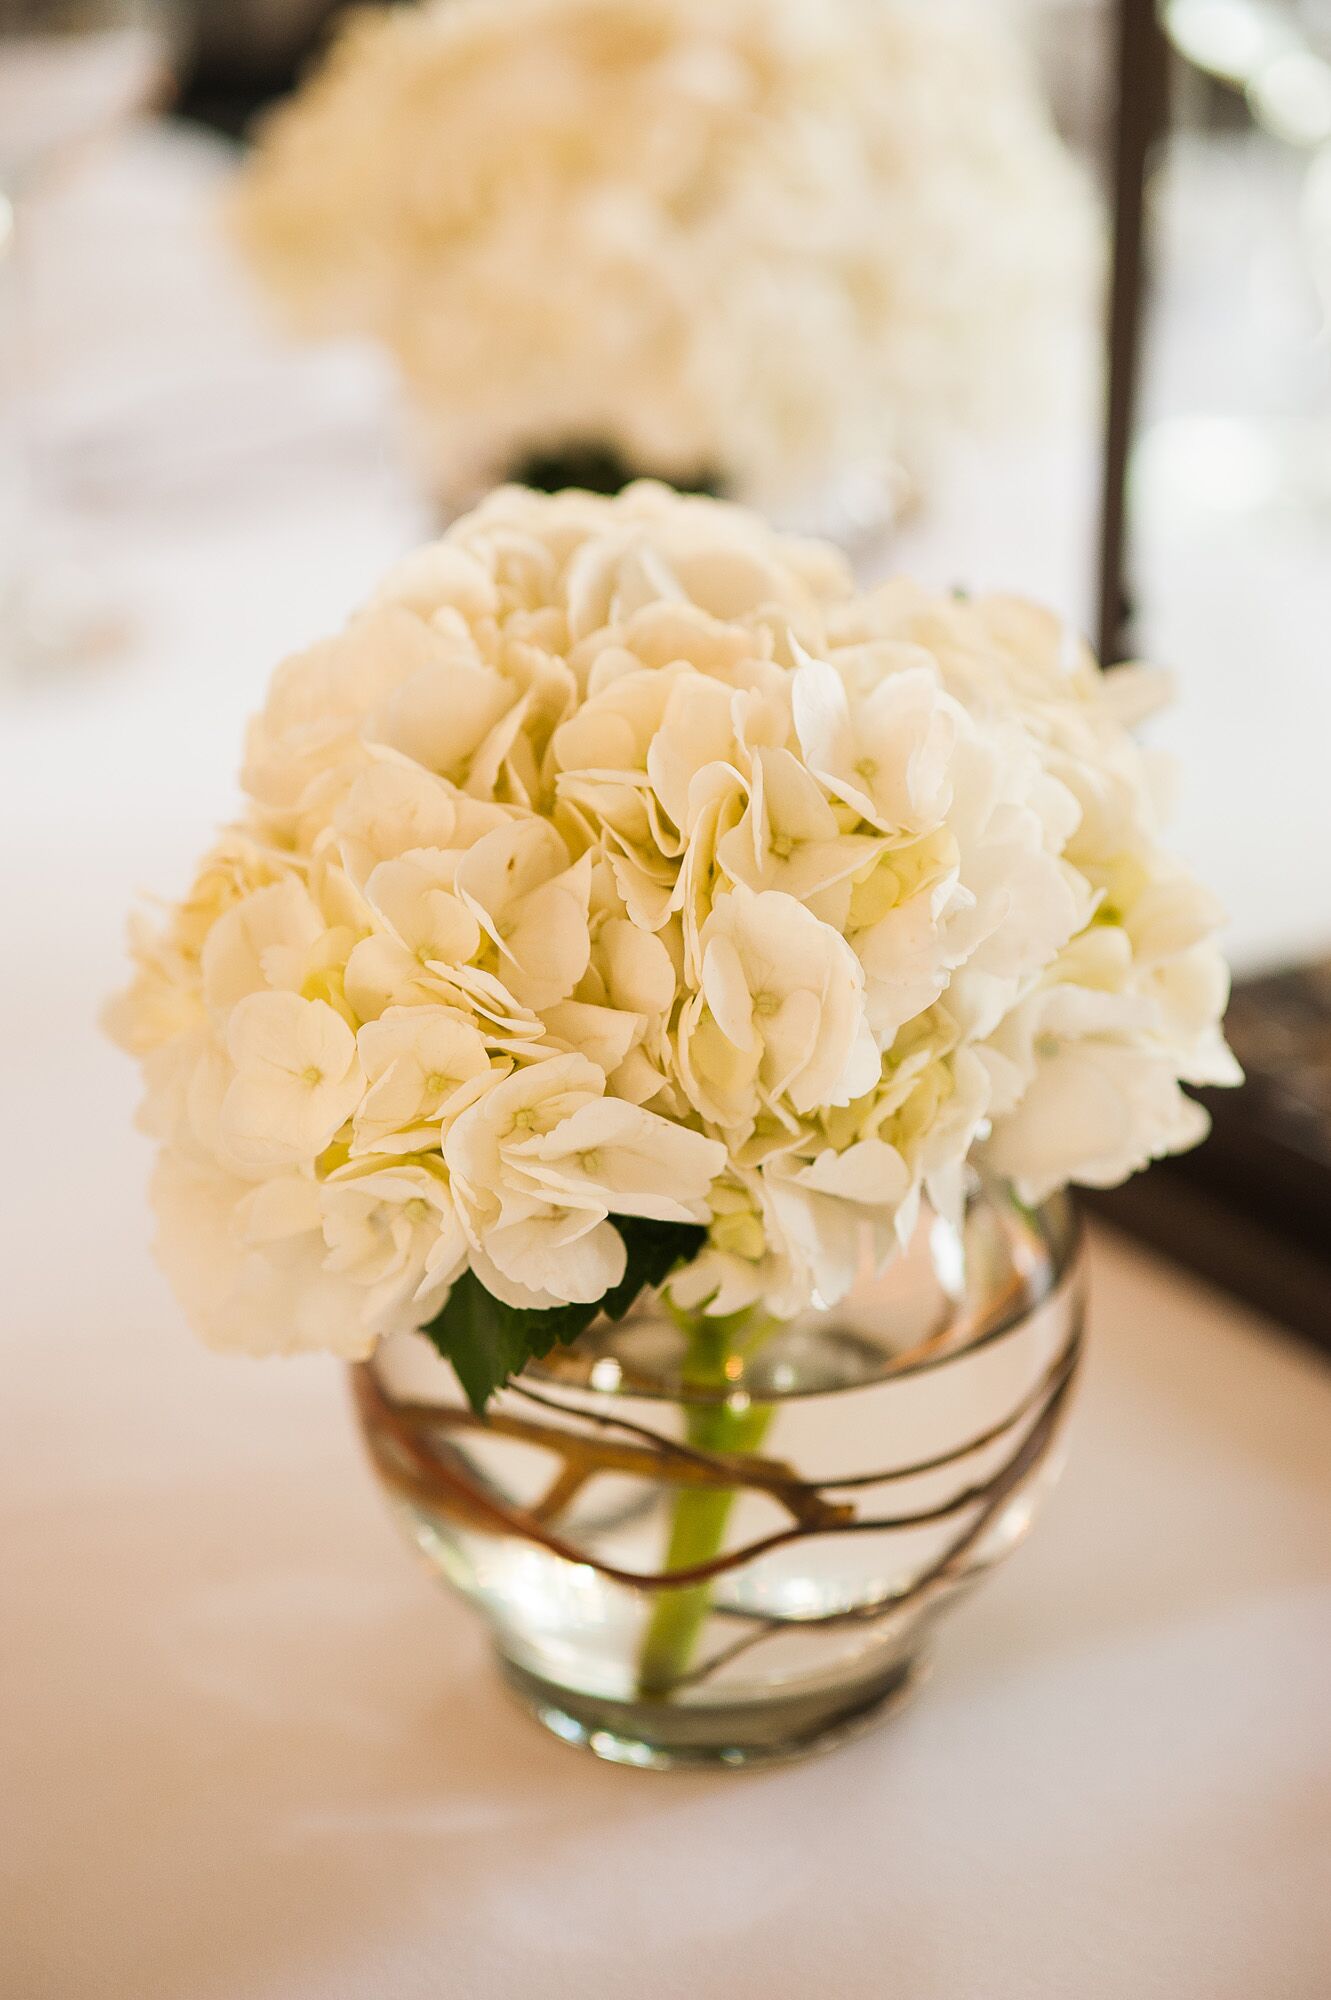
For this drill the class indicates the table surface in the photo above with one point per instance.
(249, 1752)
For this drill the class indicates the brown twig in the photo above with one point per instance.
(413, 1467)
(945, 1569)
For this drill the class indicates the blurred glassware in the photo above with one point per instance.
(1228, 557)
(72, 72)
(1229, 578)
(1267, 443)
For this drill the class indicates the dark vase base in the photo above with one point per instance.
(674, 1736)
(599, 468)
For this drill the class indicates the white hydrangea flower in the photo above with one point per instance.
(739, 899)
(829, 1203)
(422, 932)
(765, 240)
(885, 754)
(421, 1066)
(543, 1158)
(530, 898)
(394, 1231)
(297, 1079)
(780, 1014)
(249, 1264)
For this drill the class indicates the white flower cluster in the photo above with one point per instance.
(621, 860)
(767, 239)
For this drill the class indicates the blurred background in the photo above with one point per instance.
(186, 492)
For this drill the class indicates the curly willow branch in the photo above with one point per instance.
(949, 1568)
(441, 1480)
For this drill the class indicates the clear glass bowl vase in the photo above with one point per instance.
(727, 1542)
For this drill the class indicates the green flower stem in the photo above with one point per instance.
(699, 1516)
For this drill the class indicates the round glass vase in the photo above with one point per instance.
(726, 1541)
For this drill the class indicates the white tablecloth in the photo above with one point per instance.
(249, 1752)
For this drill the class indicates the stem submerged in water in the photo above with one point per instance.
(699, 1517)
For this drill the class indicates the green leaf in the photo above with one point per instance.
(487, 1341)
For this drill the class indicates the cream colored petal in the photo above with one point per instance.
(414, 897)
(441, 716)
(546, 946)
(239, 951)
(605, 1035)
(506, 865)
(634, 1162)
(725, 986)
(392, 807)
(638, 969)
(567, 1254)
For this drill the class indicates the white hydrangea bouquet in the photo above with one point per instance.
(777, 246)
(624, 900)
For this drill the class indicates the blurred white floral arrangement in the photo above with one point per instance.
(771, 244)
(623, 899)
